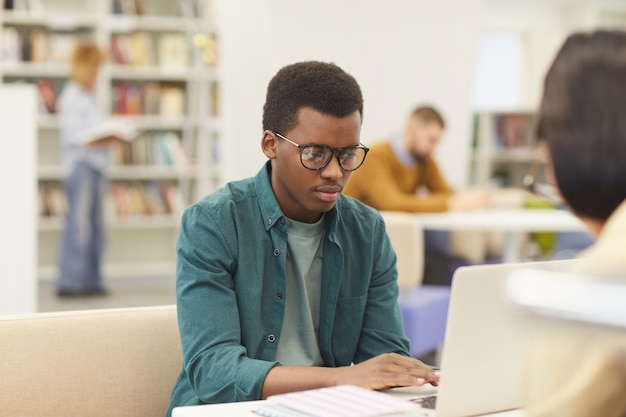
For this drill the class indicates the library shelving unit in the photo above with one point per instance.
(505, 148)
(162, 73)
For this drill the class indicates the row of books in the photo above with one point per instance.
(187, 8)
(34, 6)
(131, 99)
(123, 201)
(35, 45)
(144, 199)
(155, 149)
(142, 49)
(150, 98)
(507, 131)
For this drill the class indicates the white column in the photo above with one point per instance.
(18, 210)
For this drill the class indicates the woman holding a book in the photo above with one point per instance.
(85, 157)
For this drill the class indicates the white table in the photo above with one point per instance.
(508, 221)
(246, 409)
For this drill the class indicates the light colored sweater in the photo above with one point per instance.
(581, 372)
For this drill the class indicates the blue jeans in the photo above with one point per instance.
(82, 242)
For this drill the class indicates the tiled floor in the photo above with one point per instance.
(121, 293)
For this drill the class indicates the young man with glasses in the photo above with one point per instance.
(283, 283)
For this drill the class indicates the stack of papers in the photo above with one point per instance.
(340, 401)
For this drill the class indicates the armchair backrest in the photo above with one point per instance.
(407, 238)
(114, 362)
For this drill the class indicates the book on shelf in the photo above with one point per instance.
(214, 98)
(155, 198)
(119, 49)
(11, 45)
(118, 194)
(127, 99)
(151, 96)
(129, 7)
(172, 101)
(60, 47)
(47, 95)
(39, 45)
(52, 201)
(514, 130)
(173, 50)
(135, 49)
(33, 6)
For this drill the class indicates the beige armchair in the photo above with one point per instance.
(407, 239)
(116, 362)
(424, 308)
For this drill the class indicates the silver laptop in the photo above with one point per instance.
(483, 351)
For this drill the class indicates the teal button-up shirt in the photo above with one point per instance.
(231, 290)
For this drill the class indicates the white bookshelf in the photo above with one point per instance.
(137, 244)
(18, 246)
(504, 147)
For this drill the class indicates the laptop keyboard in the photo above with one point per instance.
(426, 402)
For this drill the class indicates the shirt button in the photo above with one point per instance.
(271, 338)
(279, 295)
(269, 221)
(276, 252)
(281, 221)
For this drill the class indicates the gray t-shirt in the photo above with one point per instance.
(298, 341)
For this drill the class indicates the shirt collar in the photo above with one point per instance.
(270, 210)
(402, 154)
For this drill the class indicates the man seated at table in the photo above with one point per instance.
(401, 174)
(282, 283)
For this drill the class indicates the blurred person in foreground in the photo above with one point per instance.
(401, 174)
(85, 157)
(283, 283)
(581, 120)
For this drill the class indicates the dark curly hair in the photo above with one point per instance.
(581, 118)
(322, 86)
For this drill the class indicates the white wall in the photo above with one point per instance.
(402, 53)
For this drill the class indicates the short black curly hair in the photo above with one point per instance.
(322, 86)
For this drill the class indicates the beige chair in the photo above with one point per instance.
(116, 362)
(407, 239)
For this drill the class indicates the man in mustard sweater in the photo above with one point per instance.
(401, 174)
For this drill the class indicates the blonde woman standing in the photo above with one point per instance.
(85, 158)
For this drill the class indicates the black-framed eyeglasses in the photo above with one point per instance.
(542, 189)
(316, 157)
